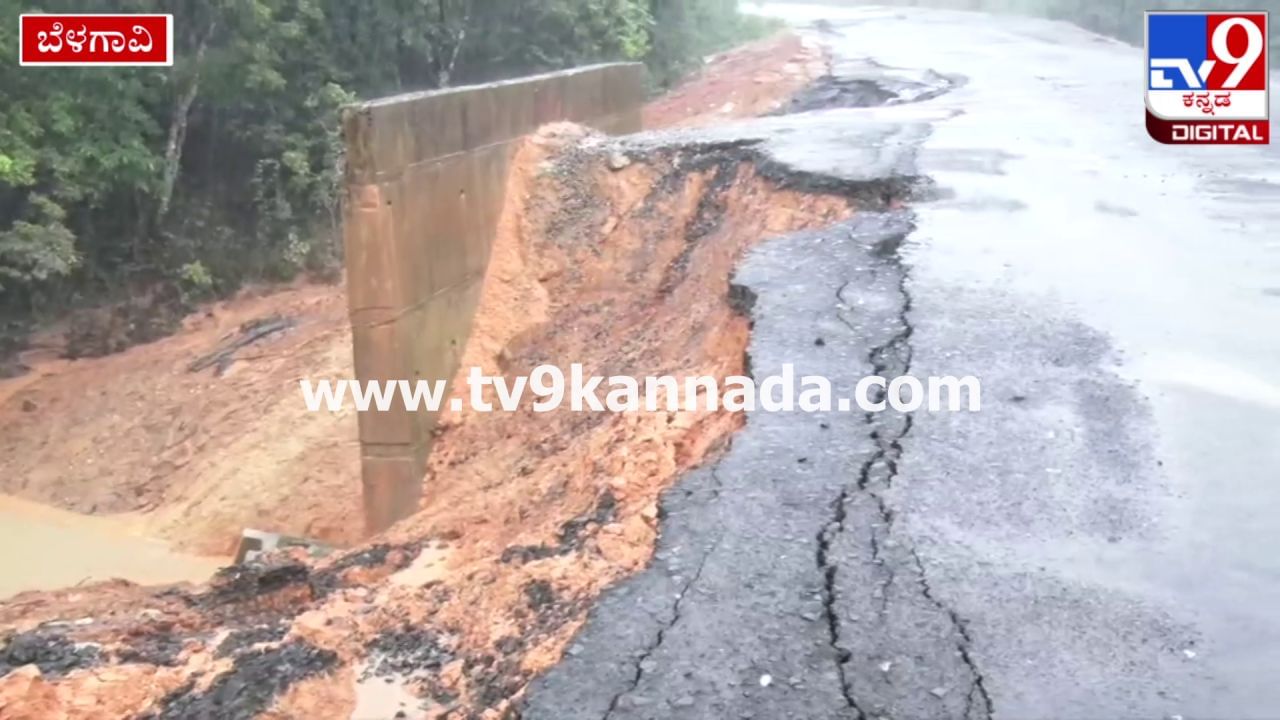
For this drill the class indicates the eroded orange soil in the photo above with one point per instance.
(199, 456)
(526, 518)
(750, 81)
(194, 458)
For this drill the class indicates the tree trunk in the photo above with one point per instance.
(447, 59)
(178, 128)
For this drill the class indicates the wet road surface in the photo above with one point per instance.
(1099, 541)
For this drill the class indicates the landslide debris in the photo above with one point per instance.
(194, 458)
(747, 82)
(873, 86)
(527, 518)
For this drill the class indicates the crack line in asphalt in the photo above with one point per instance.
(979, 682)
(886, 516)
(836, 526)
(829, 570)
(877, 474)
(662, 631)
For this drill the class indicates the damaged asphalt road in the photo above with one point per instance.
(741, 613)
(1098, 541)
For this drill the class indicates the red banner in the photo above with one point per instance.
(1208, 132)
(96, 40)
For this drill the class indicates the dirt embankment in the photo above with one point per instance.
(751, 81)
(193, 458)
(621, 266)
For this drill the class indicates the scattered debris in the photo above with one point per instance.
(160, 649)
(240, 583)
(618, 161)
(250, 333)
(409, 653)
(573, 533)
(256, 543)
(240, 640)
(830, 92)
(256, 679)
(52, 652)
(539, 594)
(559, 480)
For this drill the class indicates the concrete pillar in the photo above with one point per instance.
(426, 173)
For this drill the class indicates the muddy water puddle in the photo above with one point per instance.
(43, 548)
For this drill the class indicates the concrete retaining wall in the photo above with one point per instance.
(426, 174)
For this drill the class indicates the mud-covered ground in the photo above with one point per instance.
(190, 458)
(619, 260)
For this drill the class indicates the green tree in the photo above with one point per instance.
(227, 167)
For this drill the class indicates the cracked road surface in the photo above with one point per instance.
(1098, 542)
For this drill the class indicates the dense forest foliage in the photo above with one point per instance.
(225, 168)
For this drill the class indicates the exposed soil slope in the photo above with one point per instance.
(527, 518)
(194, 458)
(750, 81)
(197, 455)
(621, 266)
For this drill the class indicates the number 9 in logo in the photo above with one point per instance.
(1245, 61)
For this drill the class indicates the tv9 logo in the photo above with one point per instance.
(1208, 78)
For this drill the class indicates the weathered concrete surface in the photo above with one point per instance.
(1099, 541)
(426, 174)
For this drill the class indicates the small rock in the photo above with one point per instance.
(1191, 654)
(886, 667)
(29, 406)
(684, 701)
(938, 692)
(619, 161)
(766, 680)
